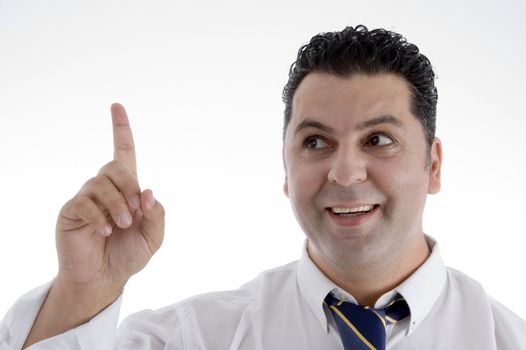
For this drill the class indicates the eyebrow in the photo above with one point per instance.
(309, 123)
(384, 119)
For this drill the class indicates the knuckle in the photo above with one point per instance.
(110, 167)
(105, 188)
(89, 184)
(97, 184)
(99, 187)
(101, 190)
(84, 207)
(78, 203)
(121, 176)
(125, 146)
(69, 205)
(87, 205)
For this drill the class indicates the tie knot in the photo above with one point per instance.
(396, 310)
(363, 325)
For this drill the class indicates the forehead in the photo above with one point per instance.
(336, 100)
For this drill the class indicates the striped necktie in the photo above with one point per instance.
(363, 327)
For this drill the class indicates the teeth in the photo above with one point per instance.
(352, 210)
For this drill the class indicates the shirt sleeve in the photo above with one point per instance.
(510, 329)
(153, 330)
(98, 333)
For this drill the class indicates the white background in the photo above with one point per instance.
(202, 84)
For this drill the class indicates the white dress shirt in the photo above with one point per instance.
(283, 308)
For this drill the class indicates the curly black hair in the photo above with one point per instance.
(358, 50)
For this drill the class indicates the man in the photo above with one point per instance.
(360, 155)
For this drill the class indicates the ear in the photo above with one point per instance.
(286, 183)
(435, 166)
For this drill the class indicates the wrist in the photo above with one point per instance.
(69, 305)
(94, 296)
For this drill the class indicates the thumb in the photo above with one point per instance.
(152, 225)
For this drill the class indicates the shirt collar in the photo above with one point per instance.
(314, 286)
(420, 290)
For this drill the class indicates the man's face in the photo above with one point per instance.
(356, 172)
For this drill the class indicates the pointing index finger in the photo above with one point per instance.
(123, 145)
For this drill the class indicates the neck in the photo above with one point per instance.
(367, 281)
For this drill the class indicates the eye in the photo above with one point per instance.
(315, 142)
(379, 140)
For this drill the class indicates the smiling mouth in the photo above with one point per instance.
(356, 211)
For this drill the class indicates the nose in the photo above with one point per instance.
(348, 167)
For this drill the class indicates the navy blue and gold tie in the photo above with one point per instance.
(363, 327)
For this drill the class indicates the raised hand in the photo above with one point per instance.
(104, 235)
(110, 230)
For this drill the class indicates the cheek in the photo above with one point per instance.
(406, 187)
(304, 182)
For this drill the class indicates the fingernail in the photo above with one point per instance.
(150, 202)
(125, 220)
(107, 230)
(134, 201)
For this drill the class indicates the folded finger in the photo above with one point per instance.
(124, 181)
(105, 194)
(85, 209)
